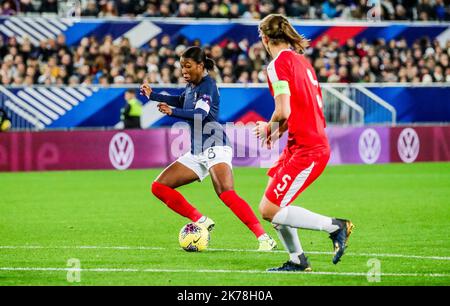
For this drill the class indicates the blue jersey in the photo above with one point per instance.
(199, 106)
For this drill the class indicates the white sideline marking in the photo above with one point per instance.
(347, 254)
(219, 250)
(107, 270)
(81, 247)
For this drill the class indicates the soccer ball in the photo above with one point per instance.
(194, 238)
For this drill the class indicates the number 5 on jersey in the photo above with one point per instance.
(316, 84)
(282, 187)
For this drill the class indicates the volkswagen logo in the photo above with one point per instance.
(408, 145)
(121, 151)
(369, 146)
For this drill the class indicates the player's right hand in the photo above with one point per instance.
(146, 90)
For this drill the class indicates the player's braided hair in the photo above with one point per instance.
(279, 30)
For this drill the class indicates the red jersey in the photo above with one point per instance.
(306, 124)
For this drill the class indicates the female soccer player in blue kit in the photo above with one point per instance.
(210, 154)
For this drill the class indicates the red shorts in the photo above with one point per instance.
(294, 172)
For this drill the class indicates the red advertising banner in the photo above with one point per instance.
(140, 149)
(420, 144)
(28, 151)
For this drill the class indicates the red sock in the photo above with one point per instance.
(175, 201)
(243, 211)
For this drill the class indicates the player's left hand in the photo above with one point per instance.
(165, 108)
(146, 90)
(268, 143)
(260, 130)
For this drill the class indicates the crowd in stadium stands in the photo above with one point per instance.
(252, 9)
(105, 62)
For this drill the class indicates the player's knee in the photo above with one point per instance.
(220, 189)
(267, 217)
(227, 196)
(165, 181)
(157, 188)
(266, 214)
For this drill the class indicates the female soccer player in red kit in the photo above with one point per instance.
(298, 110)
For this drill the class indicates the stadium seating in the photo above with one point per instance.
(50, 51)
(423, 10)
(78, 59)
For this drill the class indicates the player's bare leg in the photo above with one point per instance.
(222, 178)
(164, 186)
(176, 175)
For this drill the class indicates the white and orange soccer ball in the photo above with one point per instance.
(194, 238)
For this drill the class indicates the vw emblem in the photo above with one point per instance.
(369, 146)
(408, 145)
(121, 151)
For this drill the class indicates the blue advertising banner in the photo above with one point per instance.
(141, 30)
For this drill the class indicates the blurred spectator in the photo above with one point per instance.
(109, 9)
(5, 122)
(49, 6)
(248, 9)
(26, 6)
(441, 10)
(91, 9)
(202, 10)
(127, 7)
(425, 10)
(132, 112)
(8, 8)
(117, 62)
(330, 9)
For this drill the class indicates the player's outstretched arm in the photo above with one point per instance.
(176, 101)
(189, 114)
(200, 112)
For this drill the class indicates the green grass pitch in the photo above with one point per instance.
(122, 235)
